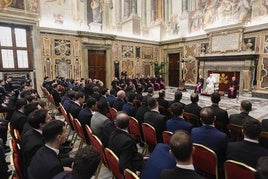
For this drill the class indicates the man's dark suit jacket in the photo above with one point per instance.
(85, 116)
(177, 123)
(124, 146)
(246, 152)
(140, 113)
(56, 96)
(118, 104)
(153, 167)
(45, 164)
(264, 123)
(221, 116)
(212, 138)
(74, 109)
(18, 120)
(163, 102)
(32, 141)
(158, 121)
(130, 109)
(179, 173)
(193, 108)
(239, 118)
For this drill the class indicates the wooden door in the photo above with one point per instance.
(96, 65)
(174, 69)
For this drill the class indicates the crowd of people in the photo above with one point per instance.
(45, 151)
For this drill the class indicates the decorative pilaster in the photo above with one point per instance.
(106, 15)
(118, 15)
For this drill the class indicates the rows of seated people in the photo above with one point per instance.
(155, 112)
(113, 133)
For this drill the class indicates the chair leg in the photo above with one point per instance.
(98, 170)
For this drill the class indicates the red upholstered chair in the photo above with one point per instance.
(80, 132)
(111, 113)
(45, 91)
(11, 131)
(16, 164)
(205, 161)
(235, 131)
(71, 120)
(166, 136)
(134, 128)
(97, 144)
(113, 163)
(192, 118)
(149, 135)
(89, 134)
(235, 170)
(129, 174)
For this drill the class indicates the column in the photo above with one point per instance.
(118, 9)
(126, 9)
(143, 14)
(166, 4)
(106, 15)
(134, 7)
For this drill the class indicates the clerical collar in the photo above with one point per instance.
(187, 167)
(251, 140)
(155, 110)
(57, 151)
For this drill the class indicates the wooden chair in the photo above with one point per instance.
(234, 170)
(80, 132)
(149, 135)
(113, 163)
(17, 136)
(16, 165)
(129, 174)
(134, 129)
(235, 131)
(111, 113)
(205, 161)
(166, 136)
(97, 144)
(192, 118)
(74, 136)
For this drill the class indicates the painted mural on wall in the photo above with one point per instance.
(62, 13)
(214, 13)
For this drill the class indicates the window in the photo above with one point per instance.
(15, 48)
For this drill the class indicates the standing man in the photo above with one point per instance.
(233, 88)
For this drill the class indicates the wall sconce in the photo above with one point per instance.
(5, 3)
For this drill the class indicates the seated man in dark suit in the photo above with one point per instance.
(18, 119)
(153, 166)
(120, 101)
(86, 114)
(264, 123)
(76, 106)
(86, 162)
(55, 92)
(193, 108)
(262, 168)
(45, 163)
(32, 139)
(124, 146)
(177, 98)
(249, 150)
(209, 136)
(181, 148)
(129, 107)
(154, 118)
(221, 114)
(177, 122)
(245, 108)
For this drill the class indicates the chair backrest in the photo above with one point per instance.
(17, 136)
(166, 136)
(113, 162)
(205, 160)
(71, 122)
(97, 144)
(129, 174)
(15, 148)
(192, 118)
(234, 170)
(79, 129)
(44, 90)
(264, 139)
(111, 114)
(89, 134)
(134, 128)
(235, 131)
(63, 112)
(11, 131)
(15, 161)
(149, 133)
